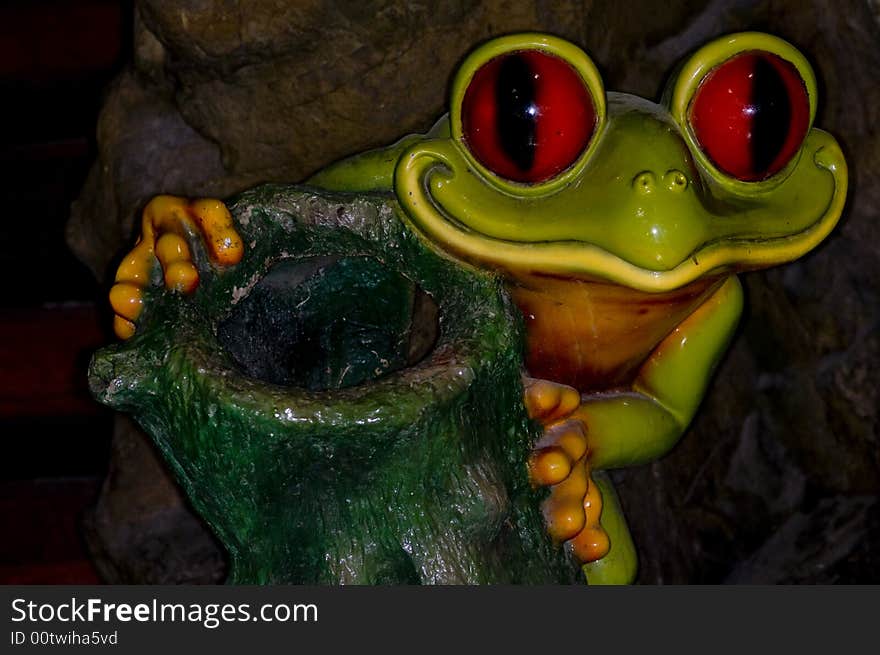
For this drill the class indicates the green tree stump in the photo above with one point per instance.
(344, 406)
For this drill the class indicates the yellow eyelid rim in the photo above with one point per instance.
(568, 52)
(707, 58)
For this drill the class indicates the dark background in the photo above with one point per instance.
(56, 59)
(106, 104)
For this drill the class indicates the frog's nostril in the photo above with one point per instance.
(675, 180)
(644, 182)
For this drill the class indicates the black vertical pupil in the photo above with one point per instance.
(517, 112)
(772, 117)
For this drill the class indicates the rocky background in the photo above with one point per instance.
(778, 479)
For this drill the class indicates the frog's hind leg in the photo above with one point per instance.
(620, 564)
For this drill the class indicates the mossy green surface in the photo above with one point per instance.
(410, 472)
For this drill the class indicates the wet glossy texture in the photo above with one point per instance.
(750, 115)
(527, 116)
(167, 221)
(594, 336)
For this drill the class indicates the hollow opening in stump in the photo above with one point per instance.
(328, 323)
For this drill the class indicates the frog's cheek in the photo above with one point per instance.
(412, 186)
(428, 167)
(821, 207)
(828, 156)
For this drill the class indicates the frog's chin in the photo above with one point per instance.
(574, 259)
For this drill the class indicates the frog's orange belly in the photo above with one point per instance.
(594, 335)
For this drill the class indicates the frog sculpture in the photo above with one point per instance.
(616, 224)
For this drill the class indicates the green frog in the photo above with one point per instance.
(617, 224)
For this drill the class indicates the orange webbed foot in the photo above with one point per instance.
(560, 460)
(166, 224)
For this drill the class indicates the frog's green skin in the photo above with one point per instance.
(643, 210)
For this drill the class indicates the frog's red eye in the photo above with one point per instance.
(527, 116)
(750, 115)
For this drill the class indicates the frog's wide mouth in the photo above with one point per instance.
(574, 258)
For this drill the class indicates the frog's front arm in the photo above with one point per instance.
(624, 428)
(628, 428)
